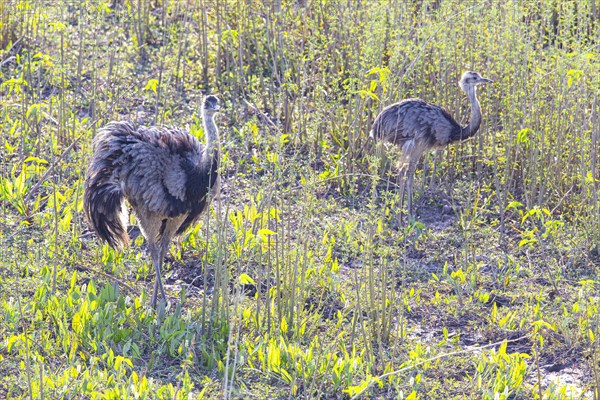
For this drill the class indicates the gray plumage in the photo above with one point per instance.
(416, 126)
(167, 176)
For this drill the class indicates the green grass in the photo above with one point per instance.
(299, 282)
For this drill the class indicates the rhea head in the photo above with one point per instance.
(471, 79)
(211, 104)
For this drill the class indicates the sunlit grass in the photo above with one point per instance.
(300, 282)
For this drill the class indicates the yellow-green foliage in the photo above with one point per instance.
(300, 282)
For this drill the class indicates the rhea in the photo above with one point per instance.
(417, 126)
(166, 175)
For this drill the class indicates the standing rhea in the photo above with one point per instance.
(167, 176)
(417, 126)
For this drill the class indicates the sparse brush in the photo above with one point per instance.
(298, 282)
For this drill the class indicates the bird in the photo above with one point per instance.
(165, 174)
(417, 126)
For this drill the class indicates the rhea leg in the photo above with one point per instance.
(163, 248)
(402, 185)
(411, 152)
(168, 229)
(155, 255)
(157, 259)
(412, 167)
(158, 232)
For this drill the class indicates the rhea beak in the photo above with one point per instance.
(486, 80)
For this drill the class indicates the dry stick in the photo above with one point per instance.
(54, 261)
(235, 356)
(562, 199)
(262, 114)
(161, 67)
(355, 174)
(11, 58)
(595, 138)
(109, 276)
(27, 360)
(454, 353)
(35, 187)
(42, 381)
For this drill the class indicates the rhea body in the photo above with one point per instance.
(166, 175)
(417, 126)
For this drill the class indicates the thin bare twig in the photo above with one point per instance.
(262, 114)
(119, 281)
(37, 185)
(11, 58)
(454, 353)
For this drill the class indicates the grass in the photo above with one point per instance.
(299, 282)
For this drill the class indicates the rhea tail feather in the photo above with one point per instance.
(105, 210)
(103, 199)
(375, 132)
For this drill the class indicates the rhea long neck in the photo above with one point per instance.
(211, 132)
(475, 121)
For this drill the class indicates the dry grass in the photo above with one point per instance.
(300, 283)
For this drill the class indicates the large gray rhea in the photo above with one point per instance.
(167, 176)
(417, 126)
